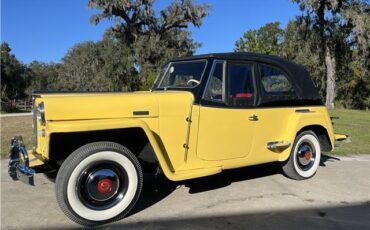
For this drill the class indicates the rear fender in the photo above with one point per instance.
(302, 121)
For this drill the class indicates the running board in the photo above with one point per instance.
(194, 173)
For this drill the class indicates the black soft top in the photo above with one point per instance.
(300, 77)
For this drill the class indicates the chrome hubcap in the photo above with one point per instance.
(306, 155)
(102, 185)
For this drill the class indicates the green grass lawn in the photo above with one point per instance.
(352, 122)
(15, 126)
(356, 124)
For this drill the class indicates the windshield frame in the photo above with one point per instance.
(158, 82)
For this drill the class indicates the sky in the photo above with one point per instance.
(45, 30)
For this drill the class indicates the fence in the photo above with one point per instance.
(19, 105)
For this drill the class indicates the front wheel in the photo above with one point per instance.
(99, 183)
(304, 158)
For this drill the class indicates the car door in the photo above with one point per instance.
(275, 113)
(227, 115)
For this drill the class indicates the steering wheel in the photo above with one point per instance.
(194, 81)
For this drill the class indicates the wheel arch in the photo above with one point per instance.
(321, 133)
(133, 134)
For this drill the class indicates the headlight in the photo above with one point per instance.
(40, 113)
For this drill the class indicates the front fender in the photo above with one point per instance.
(109, 124)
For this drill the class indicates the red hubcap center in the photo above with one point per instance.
(104, 186)
(307, 155)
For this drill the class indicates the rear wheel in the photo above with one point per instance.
(304, 158)
(99, 183)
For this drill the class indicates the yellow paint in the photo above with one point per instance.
(219, 138)
(224, 133)
(34, 161)
(340, 137)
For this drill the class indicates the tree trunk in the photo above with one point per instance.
(330, 63)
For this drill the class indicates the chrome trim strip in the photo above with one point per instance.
(304, 111)
(275, 145)
(160, 78)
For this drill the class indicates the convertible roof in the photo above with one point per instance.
(298, 73)
(232, 55)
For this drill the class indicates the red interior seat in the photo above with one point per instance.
(244, 95)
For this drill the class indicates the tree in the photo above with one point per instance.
(268, 39)
(151, 38)
(98, 66)
(357, 89)
(153, 51)
(352, 83)
(327, 19)
(42, 76)
(135, 18)
(300, 46)
(139, 43)
(12, 75)
(347, 36)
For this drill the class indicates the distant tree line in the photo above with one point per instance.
(330, 37)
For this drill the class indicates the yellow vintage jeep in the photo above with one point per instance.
(204, 114)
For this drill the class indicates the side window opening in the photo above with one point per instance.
(241, 90)
(215, 87)
(275, 82)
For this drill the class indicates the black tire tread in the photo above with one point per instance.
(72, 161)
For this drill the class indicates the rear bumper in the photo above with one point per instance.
(19, 162)
(342, 138)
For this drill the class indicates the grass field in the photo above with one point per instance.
(356, 124)
(15, 126)
(351, 122)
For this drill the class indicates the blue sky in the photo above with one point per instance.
(45, 30)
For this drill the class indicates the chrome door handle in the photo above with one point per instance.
(253, 118)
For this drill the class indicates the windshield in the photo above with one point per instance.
(182, 74)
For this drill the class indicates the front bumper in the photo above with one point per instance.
(19, 162)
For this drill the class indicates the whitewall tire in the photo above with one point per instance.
(304, 158)
(99, 183)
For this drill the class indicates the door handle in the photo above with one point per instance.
(253, 118)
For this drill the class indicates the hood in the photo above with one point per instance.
(83, 106)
